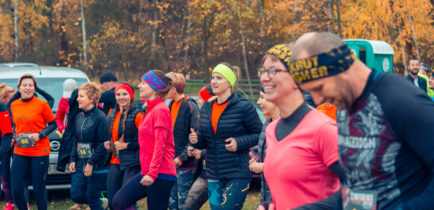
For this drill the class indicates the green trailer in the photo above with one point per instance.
(375, 54)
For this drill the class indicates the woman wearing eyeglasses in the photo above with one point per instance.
(228, 127)
(302, 149)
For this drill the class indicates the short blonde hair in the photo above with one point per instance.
(92, 91)
(4, 91)
(178, 81)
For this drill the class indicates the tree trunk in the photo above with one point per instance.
(187, 43)
(205, 47)
(331, 16)
(83, 31)
(16, 30)
(294, 21)
(338, 11)
(243, 44)
(262, 32)
(154, 37)
(413, 32)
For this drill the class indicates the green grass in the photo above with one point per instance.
(61, 201)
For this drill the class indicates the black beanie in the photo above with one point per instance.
(107, 76)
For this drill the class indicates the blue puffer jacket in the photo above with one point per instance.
(240, 121)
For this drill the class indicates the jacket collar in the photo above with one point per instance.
(90, 111)
(149, 104)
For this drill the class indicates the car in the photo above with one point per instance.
(49, 79)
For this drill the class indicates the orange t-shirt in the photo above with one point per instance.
(328, 110)
(115, 131)
(31, 117)
(217, 110)
(174, 109)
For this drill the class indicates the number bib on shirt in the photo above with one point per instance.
(24, 141)
(359, 199)
(84, 150)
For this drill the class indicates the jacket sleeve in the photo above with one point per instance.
(253, 125)
(417, 136)
(161, 136)
(194, 119)
(60, 116)
(48, 97)
(73, 155)
(6, 131)
(103, 135)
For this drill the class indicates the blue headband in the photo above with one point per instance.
(156, 83)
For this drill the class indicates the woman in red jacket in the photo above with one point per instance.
(157, 150)
(69, 86)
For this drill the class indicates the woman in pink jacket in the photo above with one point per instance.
(157, 150)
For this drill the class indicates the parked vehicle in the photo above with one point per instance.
(49, 79)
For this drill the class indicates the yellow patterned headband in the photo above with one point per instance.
(282, 52)
(323, 65)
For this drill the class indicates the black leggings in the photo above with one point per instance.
(116, 178)
(22, 166)
(158, 194)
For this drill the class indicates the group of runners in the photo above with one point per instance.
(375, 154)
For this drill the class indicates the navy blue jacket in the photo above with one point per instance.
(420, 81)
(240, 121)
(188, 116)
(91, 127)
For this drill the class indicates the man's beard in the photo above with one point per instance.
(413, 73)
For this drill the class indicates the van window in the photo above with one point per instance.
(53, 86)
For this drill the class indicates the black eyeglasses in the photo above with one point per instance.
(271, 72)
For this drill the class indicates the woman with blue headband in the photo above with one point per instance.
(156, 148)
(228, 127)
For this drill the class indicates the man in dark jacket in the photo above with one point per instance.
(108, 83)
(385, 150)
(185, 115)
(413, 70)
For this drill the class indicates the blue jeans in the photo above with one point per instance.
(227, 194)
(179, 192)
(88, 189)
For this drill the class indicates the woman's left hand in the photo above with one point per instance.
(120, 145)
(232, 146)
(146, 181)
(34, 137)
(88, 170)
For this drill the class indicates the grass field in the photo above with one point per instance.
(60, 200)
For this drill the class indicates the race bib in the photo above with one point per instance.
(24, 141)
(84, 150)
(359, 199)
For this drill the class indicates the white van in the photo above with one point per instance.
(50, 79)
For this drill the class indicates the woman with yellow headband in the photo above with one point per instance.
(228, 127)
(301, 163)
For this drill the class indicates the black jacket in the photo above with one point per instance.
(240, 121)
(421, 81)
(108, 100)
(68, 136)
(91, 127)
(188, 116)
(128, 157)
